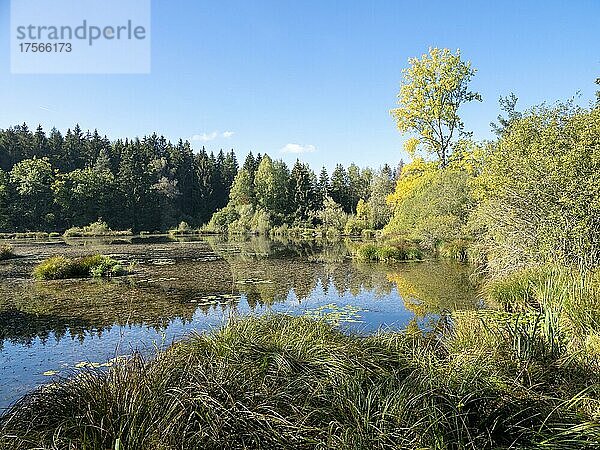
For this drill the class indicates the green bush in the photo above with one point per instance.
(184, 229)
(220, 221)
(354, 226)
(367, 252)
(389, 253)
(60, 267)
(434, 208)
(368, 233)
(539, 191)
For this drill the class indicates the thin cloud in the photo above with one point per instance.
(205, 137)
(298, 148)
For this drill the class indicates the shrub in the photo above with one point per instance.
(354, 226)
(261, 222)
(332, 216)
(220, 221)
(368, 233)
(367, 252)
(183, 229)
(389, 253)
(431, 205)
(60, 267)
(539, 191)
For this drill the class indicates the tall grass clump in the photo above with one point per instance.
(388, 251)
(552, 308)
(184, 229)
(6, 252)
(98, 228)
(60, 267)
(277, 382)
(455, 249)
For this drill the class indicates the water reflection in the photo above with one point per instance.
(181, 285)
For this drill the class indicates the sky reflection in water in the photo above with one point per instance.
(180, 286)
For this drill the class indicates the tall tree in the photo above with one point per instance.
(32, 180)
(432, 90)
(270, 185)
(508, 105)
(40, 143)
(301, 191)
(382, 186)
(5, 216)
(339, 188)
(241, 192)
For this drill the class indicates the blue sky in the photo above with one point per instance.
(323, 75)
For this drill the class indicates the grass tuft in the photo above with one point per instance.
(279, 382)
(385, 252)
(98, 228)
(60, 267)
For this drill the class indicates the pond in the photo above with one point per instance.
(178, 286)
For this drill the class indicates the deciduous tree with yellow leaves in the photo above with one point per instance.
(432, 90)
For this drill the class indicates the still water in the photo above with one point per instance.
(53, 328)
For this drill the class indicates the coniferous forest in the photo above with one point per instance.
(51, 182)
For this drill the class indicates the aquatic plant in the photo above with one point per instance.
(98, 228)
(60, 267)
(25, 235)
(388, 251)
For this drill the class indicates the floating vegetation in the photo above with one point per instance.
(92, 365)
(25, 235)
(162, 261)
(335, 314)
(254, 281)
(217, 299)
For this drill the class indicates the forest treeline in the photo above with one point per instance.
(528, 196)
(51, 182)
